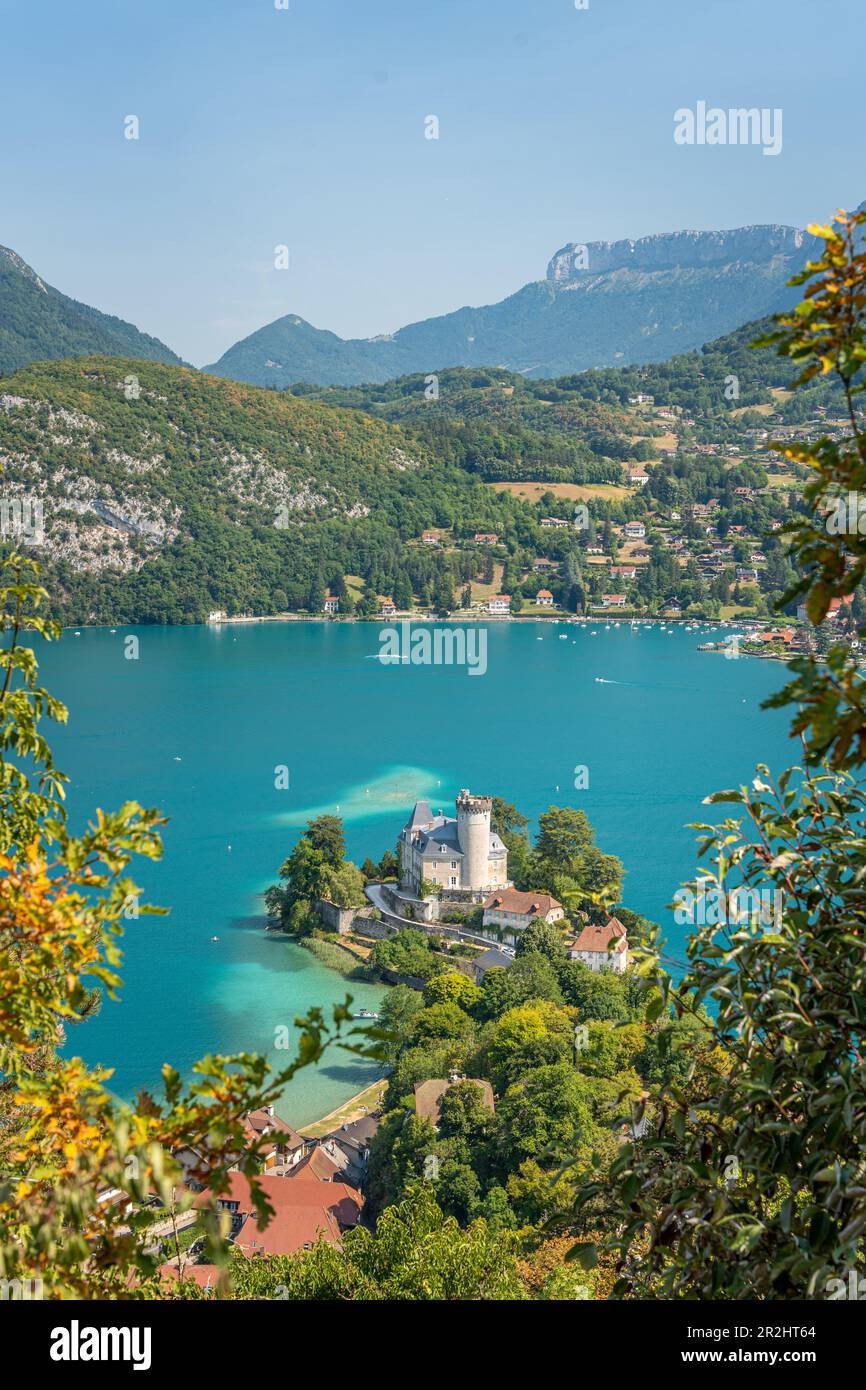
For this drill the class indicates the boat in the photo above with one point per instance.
(214, 938)
(366, 1013)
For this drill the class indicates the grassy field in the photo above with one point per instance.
(482, 592)
(576, 492)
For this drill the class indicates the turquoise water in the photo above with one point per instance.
(363, 740)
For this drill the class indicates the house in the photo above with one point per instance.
(602, 948)
(634, 530)
(595, 550)
(217, 615)
(320, 1164)
(494, 959)
(499, 603)
(641, 399)
(459, 853)
(332, 603)
(349, 1147)
(638, 476)
(284, 1148)
(623, 571)
(512, 911)
(305, 1210)
(837, 606)
(542, 564)
(545, 598)
(746, 576)
(613, 600)
(553, 522)
(486, 538)
(429, 538)
(428, 1096)
(387, 607)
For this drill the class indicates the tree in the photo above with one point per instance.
(526, 1038)
(543, 1114)
(442, 1021)
(563, 833)
(452, 988)
(397, 1014)
(463, 1114)
(325, 834)
(543, 938)
(343, 885)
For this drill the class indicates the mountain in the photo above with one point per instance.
(38, 323)
(180, 493)
(165, 493)
(600, 304)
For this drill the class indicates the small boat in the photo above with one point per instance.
(214, 938)
(366, 1013)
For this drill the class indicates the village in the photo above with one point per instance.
(694, 534)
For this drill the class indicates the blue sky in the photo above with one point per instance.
(305, 127)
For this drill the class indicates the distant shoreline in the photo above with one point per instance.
(454, 618)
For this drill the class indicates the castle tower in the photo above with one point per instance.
(473, 835)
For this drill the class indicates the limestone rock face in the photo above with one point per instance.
(676, 250)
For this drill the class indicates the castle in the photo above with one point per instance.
(461, 854)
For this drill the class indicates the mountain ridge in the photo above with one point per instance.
(600, 304)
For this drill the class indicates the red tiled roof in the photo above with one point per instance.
(304, 1210)
(206, 1276)
(594, 938)
(513, 900)
(318, 1165)
(260, 1122)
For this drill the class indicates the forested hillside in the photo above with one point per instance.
(167, 493)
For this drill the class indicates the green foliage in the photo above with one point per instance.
(315, 869)
(442, 1020)
(417, 1253)
(452, 988)
(408, 953)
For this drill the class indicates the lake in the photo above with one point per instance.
(199, 723)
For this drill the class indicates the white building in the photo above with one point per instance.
(460, 854)
(511, 911)
(499, 603)
(593, 947)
